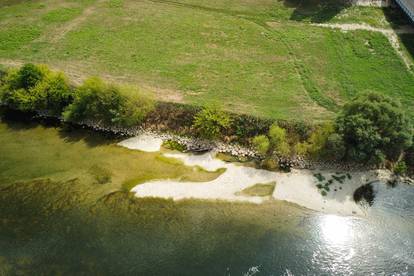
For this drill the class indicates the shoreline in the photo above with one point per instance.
(300, 186)
(159, 128)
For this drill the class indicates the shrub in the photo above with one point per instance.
(278, 141)
(174, 145)
(374, 128)
(400, 168)
(301, 148)
(108, 104)
(262, 144)
(409, 157)
(318, 139)
(211, 122)
(303, 130)
(334, 147)
(270, 164)
(3, 74)
(246, 127)
(323, 143)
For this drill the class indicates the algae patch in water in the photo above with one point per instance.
(259, 189)
(33, 151)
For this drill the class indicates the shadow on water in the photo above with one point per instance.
(73, 133)
(317, 11)
(70, 133)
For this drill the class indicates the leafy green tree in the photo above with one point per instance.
(15, 89)
(374, 128)
(261, 143)
(108, 104)
(210, 122)
(52, 94)
(27, 77)
(34, 88)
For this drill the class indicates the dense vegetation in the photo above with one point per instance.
(211, 122)
(371, 129)
(108, 104)
(35, 88)
(374, 128)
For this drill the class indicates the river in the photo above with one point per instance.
(59, 217)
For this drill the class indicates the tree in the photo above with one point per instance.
(35, 88)
(27, 77)
(15, 90)
(278, 141)
(323, 143)
(374, 128)
(210, 122)
(108, 104)
(261, 143)
(52, 94)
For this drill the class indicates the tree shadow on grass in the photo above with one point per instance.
(316, 11)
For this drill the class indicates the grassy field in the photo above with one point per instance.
(258, 57)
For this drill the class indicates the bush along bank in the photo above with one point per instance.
(371, 131)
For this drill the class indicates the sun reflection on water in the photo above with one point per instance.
(336, 230)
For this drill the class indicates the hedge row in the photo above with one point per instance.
(35, 88)
(371, 129)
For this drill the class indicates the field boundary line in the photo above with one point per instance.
(390, 34)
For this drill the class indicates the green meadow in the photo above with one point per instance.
(260, 57)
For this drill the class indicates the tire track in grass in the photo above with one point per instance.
(390, 34)
(308, 85)
(60, 32)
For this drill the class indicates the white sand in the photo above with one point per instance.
(225, 187)
(143, 142)
(298, 186)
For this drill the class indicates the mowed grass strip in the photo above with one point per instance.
(341, 65)
(219, 51)
(210, 57)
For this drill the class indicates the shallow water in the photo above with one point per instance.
(59, 227)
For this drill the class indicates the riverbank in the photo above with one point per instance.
(326, 191)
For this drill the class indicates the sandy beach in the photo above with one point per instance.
(297, 186)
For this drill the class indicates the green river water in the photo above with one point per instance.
(65, 209)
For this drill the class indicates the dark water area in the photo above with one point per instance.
(61, 227)
(121, 235)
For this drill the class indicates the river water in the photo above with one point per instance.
(51, 227)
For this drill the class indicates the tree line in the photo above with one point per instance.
(371, 129)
